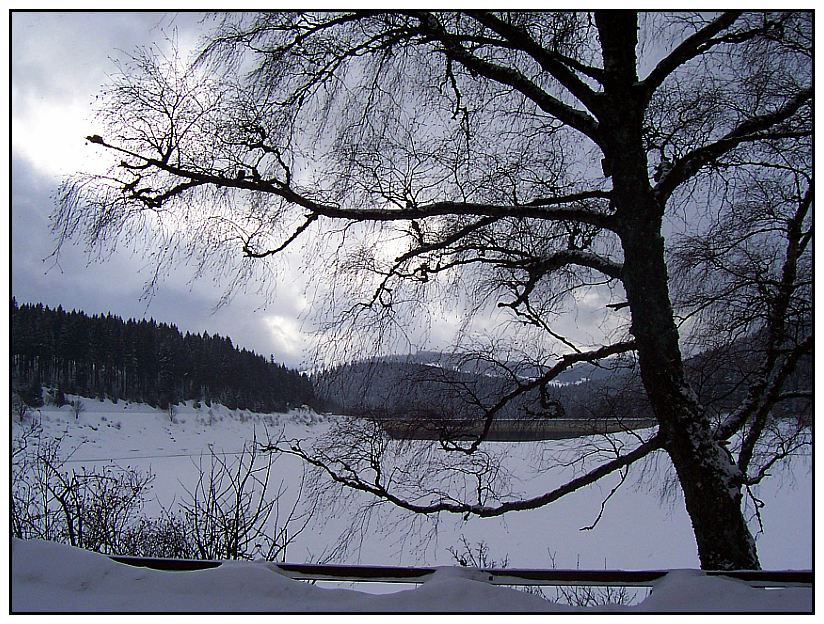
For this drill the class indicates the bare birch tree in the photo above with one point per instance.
(525, 158)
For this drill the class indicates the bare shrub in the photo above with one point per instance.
(78, 407)
(480, 556)
(233, 511)
(89, 509)
(19, 407)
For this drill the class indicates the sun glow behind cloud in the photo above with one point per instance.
(286, 334)
(50, 136)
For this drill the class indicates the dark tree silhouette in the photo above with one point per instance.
(523, 160)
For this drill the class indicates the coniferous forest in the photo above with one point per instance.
(143, 361)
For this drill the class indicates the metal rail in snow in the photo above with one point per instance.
(494, 576)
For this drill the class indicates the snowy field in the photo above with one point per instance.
(640, 528)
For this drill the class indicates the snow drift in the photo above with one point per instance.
(49, 577)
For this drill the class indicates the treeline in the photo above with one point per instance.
(410, 390)
(434, 386)
(143, 361)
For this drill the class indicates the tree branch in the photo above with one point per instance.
(505, 75)
(270, 252)
(354, 482)
(565, 362)
(769, 395)
(769, 380)
(544, 267)
(749, 130)
(549, 61)
(693, 46)
(547, 208)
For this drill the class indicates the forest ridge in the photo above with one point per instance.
(144, 361)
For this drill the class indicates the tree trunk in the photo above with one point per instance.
(705, 469)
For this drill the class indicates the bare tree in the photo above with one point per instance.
(234, 512)
(523, 160)
(78, 407)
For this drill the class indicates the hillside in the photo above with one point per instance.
(104, 356)
(435, 385)
(427, 386)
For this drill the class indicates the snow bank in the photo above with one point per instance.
(49, 577)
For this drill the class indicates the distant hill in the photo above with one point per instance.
(438, 385)
(468, 364)
(444, 385)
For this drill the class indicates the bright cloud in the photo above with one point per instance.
(286, 334)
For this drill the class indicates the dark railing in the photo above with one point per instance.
(509, 430)
(494, 576)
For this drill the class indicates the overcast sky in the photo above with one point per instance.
(59, 61)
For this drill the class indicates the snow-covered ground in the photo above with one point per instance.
(54, 577)
(639, 528)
